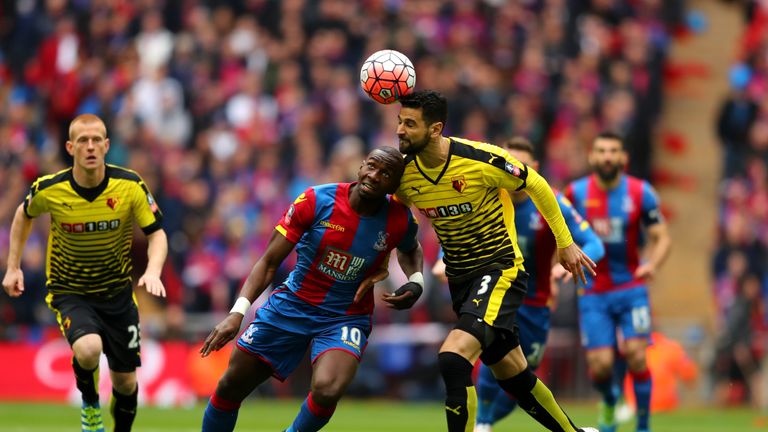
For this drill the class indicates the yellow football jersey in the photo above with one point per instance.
(467, 201)
(91, 233)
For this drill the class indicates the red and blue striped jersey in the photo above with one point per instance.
(337, 248)
(537, 244)
(618, 216)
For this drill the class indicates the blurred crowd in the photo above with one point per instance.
(740, 263)
(229, 109)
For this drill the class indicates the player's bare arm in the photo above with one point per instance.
(157, 250)
(258, 280)
(412, 263)
(13, 281)
(659, 243)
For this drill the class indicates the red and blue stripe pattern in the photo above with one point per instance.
(337, 248)
(617, 216)
(537, 243)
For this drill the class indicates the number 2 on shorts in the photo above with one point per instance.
(134, 331)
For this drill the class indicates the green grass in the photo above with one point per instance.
(361, 416)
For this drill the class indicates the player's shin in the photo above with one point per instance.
(220, 415)
(642, 386)
(312, 416)
(487, 390)
(605, 386)
(536, 399)
(87, 382)
(461, 399)
(503, 406)
(123, 409)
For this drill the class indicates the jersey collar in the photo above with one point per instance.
(90, 194)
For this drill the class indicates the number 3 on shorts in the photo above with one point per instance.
(484, 285)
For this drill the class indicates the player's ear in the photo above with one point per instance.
(436, 129)
(106, 145)
(70, 148)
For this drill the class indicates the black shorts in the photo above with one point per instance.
(115, 319)
(494, 296)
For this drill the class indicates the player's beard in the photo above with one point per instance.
(608, 172)
(412, 147)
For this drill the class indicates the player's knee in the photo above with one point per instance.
(455, 370)
(600, 372)
(510, 365)
(636, 361)
(600, 364)
(228, 388)
(327, 393)
(124, 383)
(87, 350)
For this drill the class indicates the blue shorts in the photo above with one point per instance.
(533, 327)
(603, 315)
(286, 325)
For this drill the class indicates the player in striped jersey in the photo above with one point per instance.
(93, 207)
(538, 247)
(461, 186)
(624, 212)
(343, 234)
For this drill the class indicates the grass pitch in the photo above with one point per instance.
(262, 415)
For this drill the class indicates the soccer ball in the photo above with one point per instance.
(386, 75)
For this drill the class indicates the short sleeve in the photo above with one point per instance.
(650, 211)
(298, 218)
(35, 203)
(146, 211)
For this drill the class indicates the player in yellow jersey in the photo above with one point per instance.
(461, 186)
(93, 207)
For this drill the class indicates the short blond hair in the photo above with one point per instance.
(85, 118)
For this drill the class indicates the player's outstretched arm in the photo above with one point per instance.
(13, 281)
(157, 251)
(258, 280)
(412, 263)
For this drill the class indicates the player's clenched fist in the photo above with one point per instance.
(13, 282)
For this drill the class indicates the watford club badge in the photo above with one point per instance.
(66, 323)
(112, 203)
(459, 183)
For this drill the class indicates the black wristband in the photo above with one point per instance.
(413, 287)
